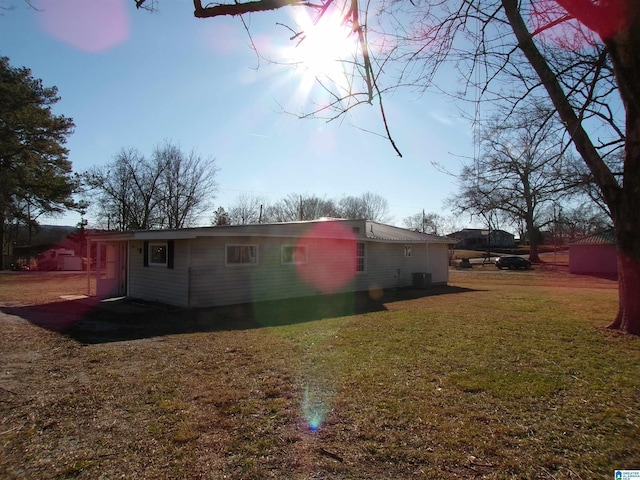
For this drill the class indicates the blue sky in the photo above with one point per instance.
(133, 79)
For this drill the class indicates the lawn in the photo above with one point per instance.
(502, 375)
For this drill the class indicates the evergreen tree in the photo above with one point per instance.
(34, 169)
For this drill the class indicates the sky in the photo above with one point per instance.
(130, 78)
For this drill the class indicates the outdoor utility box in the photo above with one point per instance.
(421, 280)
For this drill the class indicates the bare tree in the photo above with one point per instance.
(296, 207)
(425, 222)
(580, 221)
(581, 54)
(369, 206)
(586, 189)
(246, 209)
(352, 208)
(521, 169)
(125, 191)
(187, 185)
(170, 190)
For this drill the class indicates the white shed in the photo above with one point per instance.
(232, 264)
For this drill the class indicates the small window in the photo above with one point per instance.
(158, 254)
(360, 257)
(294, 254)
(241, 255)
(407, 250)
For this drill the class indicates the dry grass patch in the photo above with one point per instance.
(503, 376)
(29, 288)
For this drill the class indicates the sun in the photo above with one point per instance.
(325, 52)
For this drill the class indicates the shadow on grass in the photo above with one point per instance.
(91, 321)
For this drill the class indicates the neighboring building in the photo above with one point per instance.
(479, 239)
(596, 254)
(232, 264)
(59, 259)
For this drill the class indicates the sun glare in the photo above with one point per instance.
(323, 53)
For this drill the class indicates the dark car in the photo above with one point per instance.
(512, 263)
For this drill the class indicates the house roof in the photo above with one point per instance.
(322, 228)
(388, 233)
(480, 232)
(606, 237)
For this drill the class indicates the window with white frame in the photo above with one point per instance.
(241, 255)
(294, 254)
(407, 250)
(360, 257)
(158, 254)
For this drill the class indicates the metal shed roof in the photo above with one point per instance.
(606, 237)
(388, 233)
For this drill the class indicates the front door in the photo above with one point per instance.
(111, 269)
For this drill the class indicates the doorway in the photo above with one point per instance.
(111, 272)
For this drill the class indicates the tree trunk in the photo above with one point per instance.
(628, 316)
(623, 50)
(627, 223)
(534, 257)
(2, 238)
(534, 234)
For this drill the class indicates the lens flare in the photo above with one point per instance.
(88, 26)
(332, 259)
(316, 405)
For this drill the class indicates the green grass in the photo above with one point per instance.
(520, 379)
(498, 381)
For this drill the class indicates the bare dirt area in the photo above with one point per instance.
(133, 390)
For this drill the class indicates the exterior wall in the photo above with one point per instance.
(201, 278)
(159, 284)
(598, 259)
(330, 268)
(439, 263)
(214, 283)
(501, 238)
(475, 239)
(387, 266)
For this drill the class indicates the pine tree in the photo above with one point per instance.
(34, 169)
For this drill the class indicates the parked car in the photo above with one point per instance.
(512, 263)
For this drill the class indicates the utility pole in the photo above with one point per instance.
(300, 213)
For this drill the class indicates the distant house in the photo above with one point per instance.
(232, 264)
(596, 254)
(479, 239)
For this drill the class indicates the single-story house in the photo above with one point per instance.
(232, 264)
(596, 254)
(478, 239)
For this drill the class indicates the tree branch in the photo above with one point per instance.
(604, 177)
(246, 7)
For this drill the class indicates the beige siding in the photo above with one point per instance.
(156, 283)
(330, 268)
(387, 266)
(439, 263)
(214, 283)
(200, 277)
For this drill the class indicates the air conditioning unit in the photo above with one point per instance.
(421, 280)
